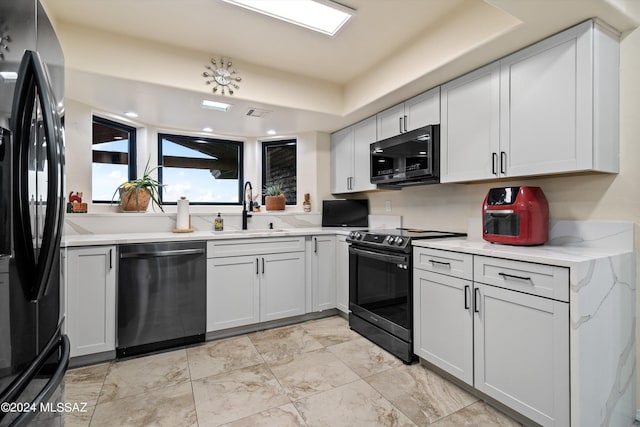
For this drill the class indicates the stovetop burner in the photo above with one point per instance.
(397, 239)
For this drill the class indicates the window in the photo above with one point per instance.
(279, 167)
(204, 170)
(114, 157)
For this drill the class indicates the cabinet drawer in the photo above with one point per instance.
(536, 279)
(454, 264)
(260, 246)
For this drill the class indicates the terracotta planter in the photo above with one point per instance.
(132, 200)
(274, 203)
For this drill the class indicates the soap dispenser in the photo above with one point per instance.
(218, 223)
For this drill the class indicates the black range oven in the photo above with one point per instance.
(381, 286)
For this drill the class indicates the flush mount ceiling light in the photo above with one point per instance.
(131, 114)
(271, 132)
(215, 105)
(323, 16)
(222, 75)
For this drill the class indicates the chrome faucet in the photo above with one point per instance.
(245, 212)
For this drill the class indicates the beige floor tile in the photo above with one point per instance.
(313, 372)
(283, 416)
(170, 406)
(237, 394)
(135, 376)
(419, 393)
(331, 330)
(221, 356)
(478, 414)
(364, 357)
(354, 404)
(79, 419)
(83, 385)
(282, 343)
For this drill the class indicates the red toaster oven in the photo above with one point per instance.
(516, 216)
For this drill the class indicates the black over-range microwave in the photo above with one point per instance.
(411, 158)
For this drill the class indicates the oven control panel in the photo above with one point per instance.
(388, 241)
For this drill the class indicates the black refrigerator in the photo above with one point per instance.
(34, 352)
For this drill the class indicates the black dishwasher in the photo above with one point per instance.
(161, 296)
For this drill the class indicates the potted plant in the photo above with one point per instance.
(134, 196)
(274, 197)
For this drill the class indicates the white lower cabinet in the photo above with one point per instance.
(91, 299)
(511, 345)
(342, 273)
(322, 254)
(254, 280)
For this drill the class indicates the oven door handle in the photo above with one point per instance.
(396, 259)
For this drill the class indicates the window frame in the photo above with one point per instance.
(277, 143)
(132, 153)
(239, 144)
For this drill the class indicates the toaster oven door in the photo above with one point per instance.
(501, 223)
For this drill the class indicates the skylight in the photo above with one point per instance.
(323, 16)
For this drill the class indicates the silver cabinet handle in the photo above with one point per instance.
(503, 162)
(400, 124)
(257, 267)
(262, 265)
(405, 123)
(110, 259)
(315, 245)
(494, 163)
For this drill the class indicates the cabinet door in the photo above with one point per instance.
(91, 299)
(545, 105)
(470, 126)
(391, 122)
(341, 160)
(282, 285)
(323, 272)
(522, 353)
(364, 134)
(233, 292)
(342, 273)
(443, 322)
(423, 109)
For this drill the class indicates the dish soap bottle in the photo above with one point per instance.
(306, 205)
(218, 223)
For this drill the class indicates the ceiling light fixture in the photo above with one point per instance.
(131, 114)
(207, 129)
(271, 132)
(323, 16)
(215, 105)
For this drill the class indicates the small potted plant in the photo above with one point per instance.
(134, 196)
(274, 197)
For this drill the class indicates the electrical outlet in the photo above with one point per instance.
(387, 205)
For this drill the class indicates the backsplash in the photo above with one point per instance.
(109, 223)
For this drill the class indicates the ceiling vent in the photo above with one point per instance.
(257, 112)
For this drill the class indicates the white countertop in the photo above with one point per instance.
(564, 256)
(116, 239)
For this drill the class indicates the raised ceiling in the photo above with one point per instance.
(310, 81)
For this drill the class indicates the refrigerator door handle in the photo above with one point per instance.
(34, 82)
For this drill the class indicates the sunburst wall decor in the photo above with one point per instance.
(222, 75)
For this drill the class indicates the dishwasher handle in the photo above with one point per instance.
(178, 252)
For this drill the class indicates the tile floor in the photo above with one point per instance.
(317, 373)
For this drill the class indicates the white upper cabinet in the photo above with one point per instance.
(559, 104)
(419, 111)
(350, 169)
(549, 108)
(470, 128)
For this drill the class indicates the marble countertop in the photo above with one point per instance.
(564, 256)
(116, 239)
